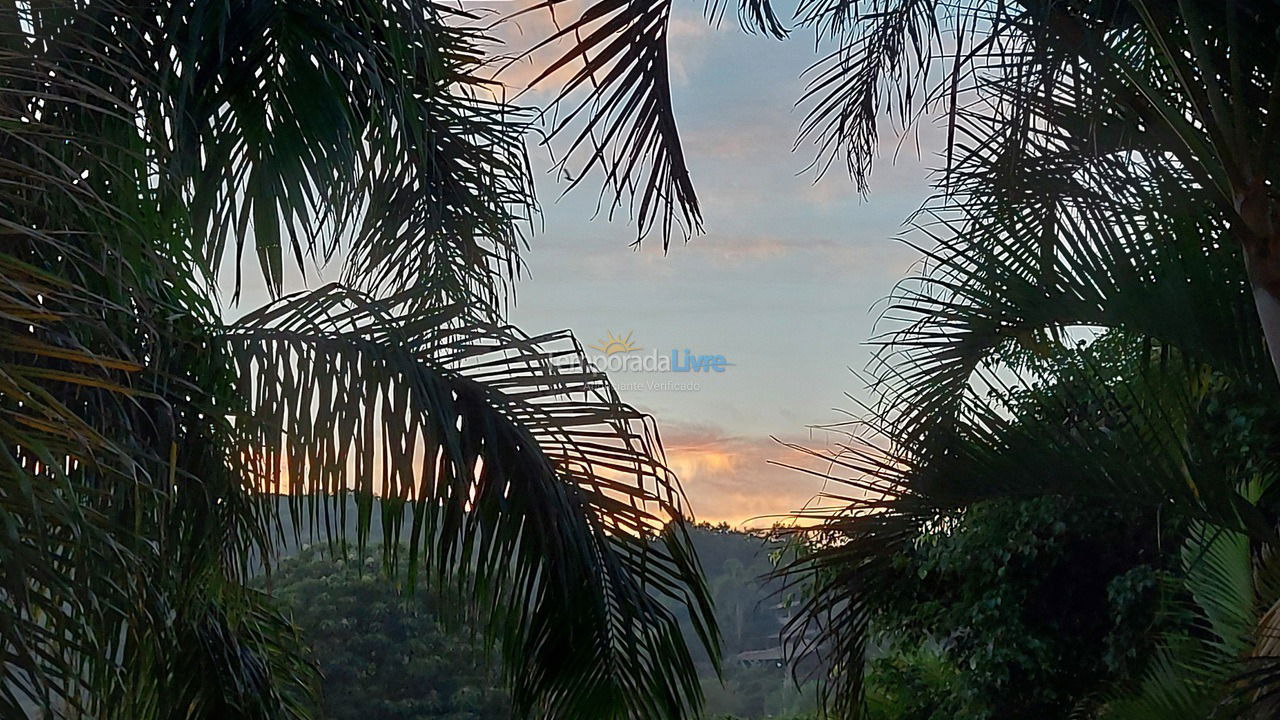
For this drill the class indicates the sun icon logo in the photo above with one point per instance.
(615, 344)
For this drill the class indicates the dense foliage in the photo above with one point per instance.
(153, 152)
(386, 654)
(751, 614)
(1098, 295)
(1021, 608)
(1032, 523)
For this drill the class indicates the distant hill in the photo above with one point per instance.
(751, 615)
(749, 612)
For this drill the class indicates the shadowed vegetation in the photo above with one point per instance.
(145, 440)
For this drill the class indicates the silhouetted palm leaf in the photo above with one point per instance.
(615, 111)
(1058, 216)
(512, 471)
(135, 140)
(620, 121)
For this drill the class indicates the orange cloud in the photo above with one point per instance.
(736, 479)
(527, 23)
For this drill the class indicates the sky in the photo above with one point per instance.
(784, 284)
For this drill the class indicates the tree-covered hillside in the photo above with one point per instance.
(756, 682)
(385, 655)
(383, 652)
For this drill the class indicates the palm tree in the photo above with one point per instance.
(1191, 79)
(146, 442)
(1110, 167)
(1091, 187)
(1108, 164)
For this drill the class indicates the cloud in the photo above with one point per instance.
(735, 478)
(742, 139)
(520, 32)
(720, 257)
(819, 252)
(528, 25)
(685, 47)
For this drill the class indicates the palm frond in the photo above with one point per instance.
(1075, 247)
(1093, 191)
(135, 475)
(1120, 433)
(619, 119)
(77, 410)
(313, 127)
(884, 53)
(511, 470)
(1198, 661)
(753, 15)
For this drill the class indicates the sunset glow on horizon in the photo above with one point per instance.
(784, 284)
